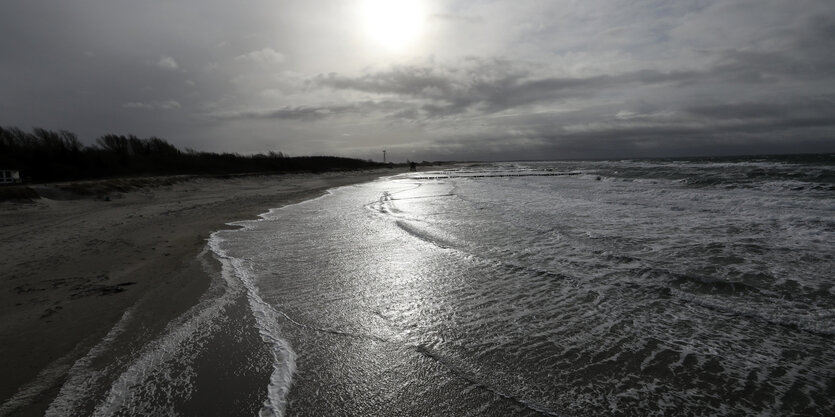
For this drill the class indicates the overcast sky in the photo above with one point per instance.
(435, 79)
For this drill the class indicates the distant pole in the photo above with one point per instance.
(384, 156)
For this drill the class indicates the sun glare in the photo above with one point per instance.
(393, 24)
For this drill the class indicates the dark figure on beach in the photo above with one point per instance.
(413, 166)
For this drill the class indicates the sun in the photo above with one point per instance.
(394, 24)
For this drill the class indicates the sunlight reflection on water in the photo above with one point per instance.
(529, 295)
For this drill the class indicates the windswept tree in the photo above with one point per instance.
(48, 155)
(113, 143)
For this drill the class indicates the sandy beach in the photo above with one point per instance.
(73, 264)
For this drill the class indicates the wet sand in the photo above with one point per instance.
(73, 264)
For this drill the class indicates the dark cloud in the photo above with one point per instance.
(489, 86)
(312, 113)
(628, 142)
(807, 109)
(707, 129)
(286, 113)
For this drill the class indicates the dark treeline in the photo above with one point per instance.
(45, 155)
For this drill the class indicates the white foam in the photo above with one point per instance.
(266, 318)
(82, 378)
(180, 342)
(45, 379)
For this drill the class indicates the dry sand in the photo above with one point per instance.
(71, 265)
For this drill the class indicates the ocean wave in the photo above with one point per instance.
(808, 318)
(266, 318)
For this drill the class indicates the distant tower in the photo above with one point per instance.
(384, 156)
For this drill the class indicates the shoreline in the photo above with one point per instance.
(73, 267)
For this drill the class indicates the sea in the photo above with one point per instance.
(657, 287)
